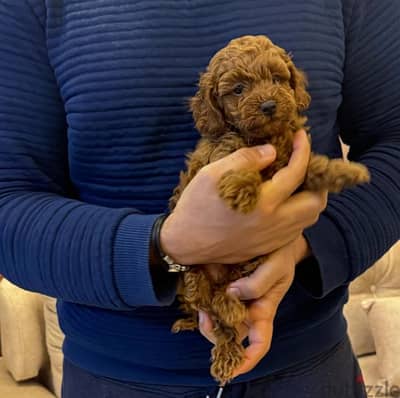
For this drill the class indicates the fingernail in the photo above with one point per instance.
(266, 150)
(234, 291)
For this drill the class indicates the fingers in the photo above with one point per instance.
(206, 328)
(260, 337)
(288, 179)
(256, 284)
(277, 269)
(305, 207)
(254, 158)
(260, 334)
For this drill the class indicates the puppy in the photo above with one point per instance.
(250, 94)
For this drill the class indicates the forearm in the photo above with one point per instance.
(78, 252)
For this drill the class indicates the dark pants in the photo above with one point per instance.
(333, 374)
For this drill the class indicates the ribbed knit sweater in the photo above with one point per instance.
(93, 131)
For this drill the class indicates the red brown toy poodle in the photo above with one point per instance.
(250, 94)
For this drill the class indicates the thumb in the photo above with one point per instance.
(253, 158)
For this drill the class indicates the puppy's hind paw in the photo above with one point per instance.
(228, 309)
(226, 358)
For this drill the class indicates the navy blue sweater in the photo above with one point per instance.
(93, 132)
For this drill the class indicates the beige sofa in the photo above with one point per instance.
(31, 338)
(373, 316)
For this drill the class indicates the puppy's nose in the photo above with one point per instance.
(268, 108)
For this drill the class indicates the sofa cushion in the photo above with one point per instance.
(358, 327)
(384, 320)
(22, 331)
(381, 280)
(9, 388)
(369, 368)
(54, 341)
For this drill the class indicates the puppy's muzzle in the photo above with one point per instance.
(268, 108)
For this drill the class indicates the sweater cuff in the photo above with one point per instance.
(132, 274)
(328, 268)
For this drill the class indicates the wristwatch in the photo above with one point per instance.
(157, 255)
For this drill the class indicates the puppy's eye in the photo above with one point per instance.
(238, 89)
(276, 79)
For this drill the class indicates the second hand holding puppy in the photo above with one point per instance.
(264, 288)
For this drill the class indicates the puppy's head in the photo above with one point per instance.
(251, 87)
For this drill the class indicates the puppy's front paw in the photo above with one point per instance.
(240, 189)
(334, 175)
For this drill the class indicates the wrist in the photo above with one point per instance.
(170, 243)
(158, 258)
(155, 254)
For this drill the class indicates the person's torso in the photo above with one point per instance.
(125, 70)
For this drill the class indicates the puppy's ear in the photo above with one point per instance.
(298, 82)
(206, 111)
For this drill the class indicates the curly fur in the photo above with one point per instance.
(227, 111)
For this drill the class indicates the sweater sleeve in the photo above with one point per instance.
(50, 242)
(360, 224)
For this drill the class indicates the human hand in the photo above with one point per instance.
(266, 288)
(203, 230)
